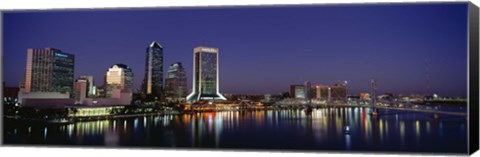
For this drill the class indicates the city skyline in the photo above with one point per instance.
(259, 66)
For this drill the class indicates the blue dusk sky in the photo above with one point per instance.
(263, 49)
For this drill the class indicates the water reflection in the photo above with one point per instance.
(322, 129)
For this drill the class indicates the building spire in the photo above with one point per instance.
(155, 44)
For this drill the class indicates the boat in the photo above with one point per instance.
(346, 129)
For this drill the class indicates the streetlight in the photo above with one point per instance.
(346, 93)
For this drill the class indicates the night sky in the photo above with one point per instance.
(263, 50)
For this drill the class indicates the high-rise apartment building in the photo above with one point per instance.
(205, 75)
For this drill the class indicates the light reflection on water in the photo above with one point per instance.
(322, 129)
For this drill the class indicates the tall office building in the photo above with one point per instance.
(49, 70)
(205, 75)
(176, 83)
(153, 80)
(118, 76)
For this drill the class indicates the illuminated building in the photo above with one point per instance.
(318, 92)
(88, 111)
(176, 83)
(297, 91)
(153, 80)
(81, 90)
(117, 97)
(90, 85)
(205, 75)
(335, 92)
(91, 89)
(49, 70)
(119, 76)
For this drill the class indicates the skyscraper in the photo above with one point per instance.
(153, 80)
(176, 83)
(49, 70)
(205, 75)
(118, 76)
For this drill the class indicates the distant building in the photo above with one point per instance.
(308, 90)
(100, 92)
(176, 83)
(118, 76)
(91, 89)
(297, 91)
(318, 92)
(205, 75)
(49, 70)
(81, 90)
(10, 94)
(153, 80)
(335, 92)
(364, 96)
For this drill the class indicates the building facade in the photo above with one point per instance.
(49, 70)
(44, 99)
(81, 90)
(297, 91)
(330, 93)
(119, 76)
(205, 75)
(153, 80)
(176, 83)
(91, 85)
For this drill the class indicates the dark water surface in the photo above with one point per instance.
(324, 129)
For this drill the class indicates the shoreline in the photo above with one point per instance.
(72, 120)
(84, 119)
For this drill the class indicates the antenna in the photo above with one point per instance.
(374, 92)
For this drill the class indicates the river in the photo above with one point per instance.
(323, 129)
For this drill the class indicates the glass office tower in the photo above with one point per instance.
(153, 80)
(205, 75)
(49, 70)
(176, 83)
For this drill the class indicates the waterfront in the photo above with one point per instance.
(323, 129)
